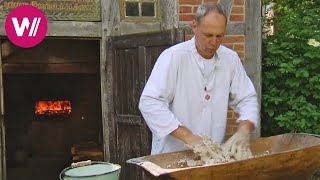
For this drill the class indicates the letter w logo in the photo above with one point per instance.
(25, 25)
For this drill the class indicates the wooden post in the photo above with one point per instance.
(2, 129)
(109, 26)
(103, 78)
(252, 62)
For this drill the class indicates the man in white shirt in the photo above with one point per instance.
(192, 85)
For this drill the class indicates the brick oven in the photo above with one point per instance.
(52, 107)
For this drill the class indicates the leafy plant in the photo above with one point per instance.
(291, 68)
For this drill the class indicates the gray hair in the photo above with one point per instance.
(205, 8)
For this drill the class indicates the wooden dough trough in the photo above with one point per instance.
(286, 156)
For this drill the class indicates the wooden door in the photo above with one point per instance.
(130, 59)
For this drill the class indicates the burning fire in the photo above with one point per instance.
(53, 107)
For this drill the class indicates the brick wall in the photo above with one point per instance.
(187, 8)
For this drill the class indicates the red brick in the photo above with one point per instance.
(194, 9)
(229, 130)
(238, 2)
(226, 137)
(192, 2)
(238, 47)
(232, 122)
(234, 129)
(236, 18)
(231, 119)
(186, 17)
(237, 10)
(228, 45)
(185, 9)
(233, 39)
(241, 55)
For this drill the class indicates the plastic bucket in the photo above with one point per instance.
(93, 171)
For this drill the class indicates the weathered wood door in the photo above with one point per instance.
(2, 129)
(130, 59)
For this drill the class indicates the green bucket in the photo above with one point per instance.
(93, 171)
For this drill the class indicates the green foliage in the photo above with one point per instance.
(291, 68)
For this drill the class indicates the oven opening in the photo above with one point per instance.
(52, 110)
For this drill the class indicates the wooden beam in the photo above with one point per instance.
(138, 27)
(253, 55)
(74, 29)
(159, 38)
(67, 29)
(82, 68)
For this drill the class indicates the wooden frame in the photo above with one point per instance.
(253, 53)
(139, 18)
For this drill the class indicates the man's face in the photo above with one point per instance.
(209, 33)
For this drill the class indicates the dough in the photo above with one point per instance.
(209, 152)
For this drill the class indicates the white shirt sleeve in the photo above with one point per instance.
(157, 95)
(243, 97)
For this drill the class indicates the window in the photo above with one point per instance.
(139, 10)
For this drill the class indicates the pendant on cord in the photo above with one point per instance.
(207, 97)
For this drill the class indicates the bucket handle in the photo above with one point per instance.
(76, 164)
(81, 163)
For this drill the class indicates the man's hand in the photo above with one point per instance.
(194, 139)
(238, 145)
(185, 135)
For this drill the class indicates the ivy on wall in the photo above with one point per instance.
(291, 68)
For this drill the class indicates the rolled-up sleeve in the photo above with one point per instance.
(243, 97)
(157, 95)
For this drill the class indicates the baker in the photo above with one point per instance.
(192, 85)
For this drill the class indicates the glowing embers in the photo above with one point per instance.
(52, 109)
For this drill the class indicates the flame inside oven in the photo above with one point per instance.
(62, 107)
